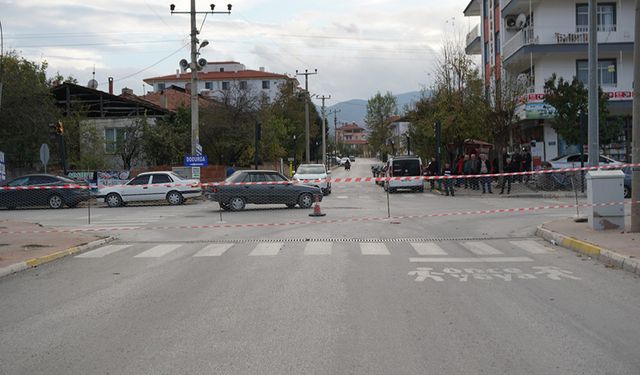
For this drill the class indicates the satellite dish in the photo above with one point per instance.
(521, 21)
(93, 84)
(184, 64)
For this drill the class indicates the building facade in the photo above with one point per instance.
(218, 79)
(533, 39)
(352, 138)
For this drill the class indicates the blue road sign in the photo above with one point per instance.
(196, 160)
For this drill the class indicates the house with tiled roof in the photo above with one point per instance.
(353, 137)
(218, 79)
(174, 97)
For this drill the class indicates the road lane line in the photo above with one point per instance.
(102, 251)
(472, 260)
(318, 248)
(427, 248)
(158, 251)
(481, 248)
(213, 250)
(373, 249)
(266, 249)
(532, 247)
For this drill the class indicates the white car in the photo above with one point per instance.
(314, 172)
(151, 186)
(573, 161)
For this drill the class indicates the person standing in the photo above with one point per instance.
(485, 169)
(448, 182)
(509, 167)
(474, 169)
(459, 166)
(466, 169)
(434, 170)
(526, 164)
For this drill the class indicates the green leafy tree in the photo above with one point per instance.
(169, 139)
(570, 99)
(27, 110)
(379, 109)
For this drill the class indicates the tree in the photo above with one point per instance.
(27, 110)
(379, 109)
(169, 139)
(569, 99)
(129, 142)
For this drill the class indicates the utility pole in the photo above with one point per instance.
(594, 142)
(306, 75)
(1, 61)
(635, 143)
(335, 129)
(324, 131)
(194, 66)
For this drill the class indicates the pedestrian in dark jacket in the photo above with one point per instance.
(485, 168)
(433, 170)
(458, 169)
(474, 169)
(509, 167)
(448, 182)
(466, 169)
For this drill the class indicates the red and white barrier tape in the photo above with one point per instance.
(332, 180)
(327, 221)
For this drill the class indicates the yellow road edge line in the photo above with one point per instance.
(48, 258)
(581, 246)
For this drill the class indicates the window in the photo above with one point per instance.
(113, 137)
(161, 86)
(607, 72)
(19, 181)
(41, 180)
(485, 6)
(208, 85)
(486, 52)
(497, 42)
(140, 180)
(243, 85)
(606, 17)
(266, 85)
(161, 179)
(225, 86)
(221, 70)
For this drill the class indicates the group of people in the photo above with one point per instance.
(472, 164)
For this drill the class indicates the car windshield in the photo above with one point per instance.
(311, 169)
(176, 176)
(406, 167)
(559, 157)
(237, 176)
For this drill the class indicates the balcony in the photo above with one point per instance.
(524, 37)
(473, 46)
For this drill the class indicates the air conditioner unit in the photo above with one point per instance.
(510, 22)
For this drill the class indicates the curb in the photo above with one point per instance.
(34, 262)
(606, 256)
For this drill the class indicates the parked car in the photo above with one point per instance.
(343, 161)
(151, 186)
(45, 192)
(404, 166)
(276, 189)
(314, 172)
(352, 158)
(573, 161)
(628, 173)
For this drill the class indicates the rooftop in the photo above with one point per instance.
(217, 76)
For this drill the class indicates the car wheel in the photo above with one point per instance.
(174, 198)
(305, 200)
(113, 200)
(627, 192)
(237, 203)
(56, 201)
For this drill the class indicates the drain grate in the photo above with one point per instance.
(343, 240)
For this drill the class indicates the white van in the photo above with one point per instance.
(404, 166)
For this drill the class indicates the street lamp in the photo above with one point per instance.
(195, 65)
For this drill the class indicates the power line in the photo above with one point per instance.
(100, 44)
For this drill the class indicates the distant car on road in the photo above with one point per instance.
(151, 186)
(48, 190)
(261, 187)
(352, 158)
(314, 172)
(573, 161)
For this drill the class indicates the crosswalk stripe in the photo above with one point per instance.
(102, 251)
(213, 250)
(472, 260)
(481, 248)
(373, 249)
(532, 247)
(158, 251)
(318, 248)
(266, 249)
(428, 248)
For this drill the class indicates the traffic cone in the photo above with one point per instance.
(316, 209)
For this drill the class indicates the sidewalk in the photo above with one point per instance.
(614, 247)
(19, 251)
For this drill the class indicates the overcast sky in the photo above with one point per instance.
(359, 47)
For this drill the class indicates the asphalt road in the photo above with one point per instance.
(472, 294)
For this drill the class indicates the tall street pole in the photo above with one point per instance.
(324, 130)
(195, 131)
(306, 75)
(594, 144)
(635, 143)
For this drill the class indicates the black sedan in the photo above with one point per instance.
(42, 190)
(261, 187)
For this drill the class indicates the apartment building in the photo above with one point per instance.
(533, 39)
(217, 79)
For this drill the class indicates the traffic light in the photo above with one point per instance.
(59, 128)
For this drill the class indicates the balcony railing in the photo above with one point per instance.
(522, 38)
(601, 28)
(473, 34)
